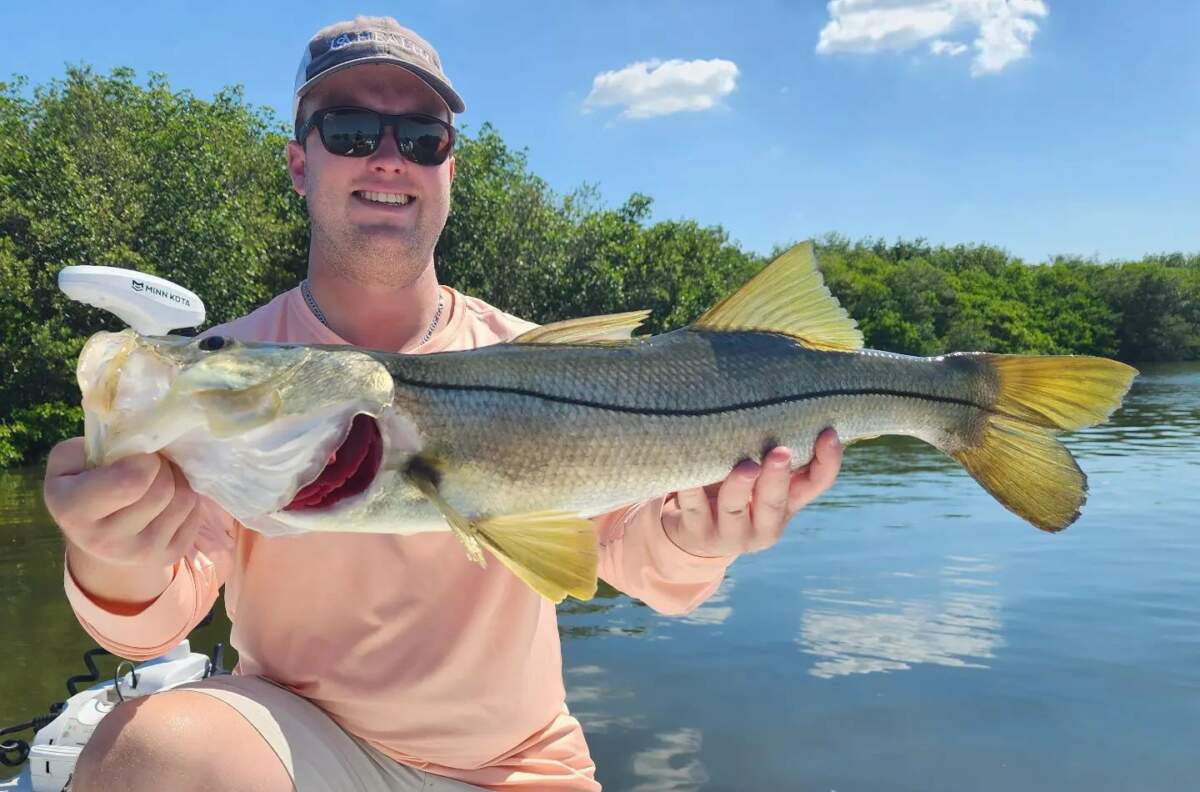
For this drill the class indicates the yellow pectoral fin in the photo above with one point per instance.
(556, 553)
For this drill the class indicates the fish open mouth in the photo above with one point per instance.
(349, 470)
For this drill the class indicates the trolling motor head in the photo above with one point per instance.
(149, 304)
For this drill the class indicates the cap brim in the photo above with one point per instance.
(440, 86)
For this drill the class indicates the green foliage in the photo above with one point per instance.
(1158, 302)
(33, 429)
(911, 297)
(98, 169)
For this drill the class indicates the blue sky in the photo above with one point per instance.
(1043, 126)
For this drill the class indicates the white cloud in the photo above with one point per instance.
(1003, 29)
(652, 88)
(943, 47)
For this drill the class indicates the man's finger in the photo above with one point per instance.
(185, 537)
(733, 503)
(134, 518)
(102, 491)
(163, 528)
(827, 460)
(65, 458)
(819, 474)
(770, 508)
(695, 515)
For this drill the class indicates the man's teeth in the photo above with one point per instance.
(388, 198)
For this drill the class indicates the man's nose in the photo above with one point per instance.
(389, 155)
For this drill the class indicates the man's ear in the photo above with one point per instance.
(296, 161)
(453, 162)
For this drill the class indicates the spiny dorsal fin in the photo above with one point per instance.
(788, 297)
(606, 329)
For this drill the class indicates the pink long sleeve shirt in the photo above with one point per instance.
(402, 640)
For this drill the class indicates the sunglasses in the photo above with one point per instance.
(357, 132)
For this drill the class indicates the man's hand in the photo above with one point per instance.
(749, 510)
(125, 524)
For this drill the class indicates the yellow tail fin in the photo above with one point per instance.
(556, 553)
(1065, 392)
(1016, 456)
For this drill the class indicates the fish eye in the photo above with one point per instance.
(212, 343)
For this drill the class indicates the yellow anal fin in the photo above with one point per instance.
(1028, 470)
(556, 553)
(606, 329)
(1066, 392)
(788, 297)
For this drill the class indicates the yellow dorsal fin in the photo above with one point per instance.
(606, 329)
(788, 297)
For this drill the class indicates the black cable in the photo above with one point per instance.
(13, 753)
(93, 674)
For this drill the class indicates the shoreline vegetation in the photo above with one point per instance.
(99, 169)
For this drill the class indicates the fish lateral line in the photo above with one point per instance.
(695, 412)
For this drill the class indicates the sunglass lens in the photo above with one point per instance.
(426, 142)
(350, 133)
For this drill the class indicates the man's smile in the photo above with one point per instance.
(389, 200)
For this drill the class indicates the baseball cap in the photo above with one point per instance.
(371, 40)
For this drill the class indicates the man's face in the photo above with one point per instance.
(368, 241)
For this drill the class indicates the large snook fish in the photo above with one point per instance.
(512, 446)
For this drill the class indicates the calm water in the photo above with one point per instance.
(906, 634)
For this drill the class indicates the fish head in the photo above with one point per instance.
(249, 424)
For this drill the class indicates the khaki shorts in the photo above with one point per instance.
(319, 755)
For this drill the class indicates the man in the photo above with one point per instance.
(393, 662)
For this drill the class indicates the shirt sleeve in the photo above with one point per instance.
(167, 620)
(638, 558)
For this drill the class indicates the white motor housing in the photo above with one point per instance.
(56, 747)
(149, 304)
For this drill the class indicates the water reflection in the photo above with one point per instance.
(956, 625)
(593, 700)
(716, 609)
(673, 765)
(608, 613)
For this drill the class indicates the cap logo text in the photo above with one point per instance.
(403, 42)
